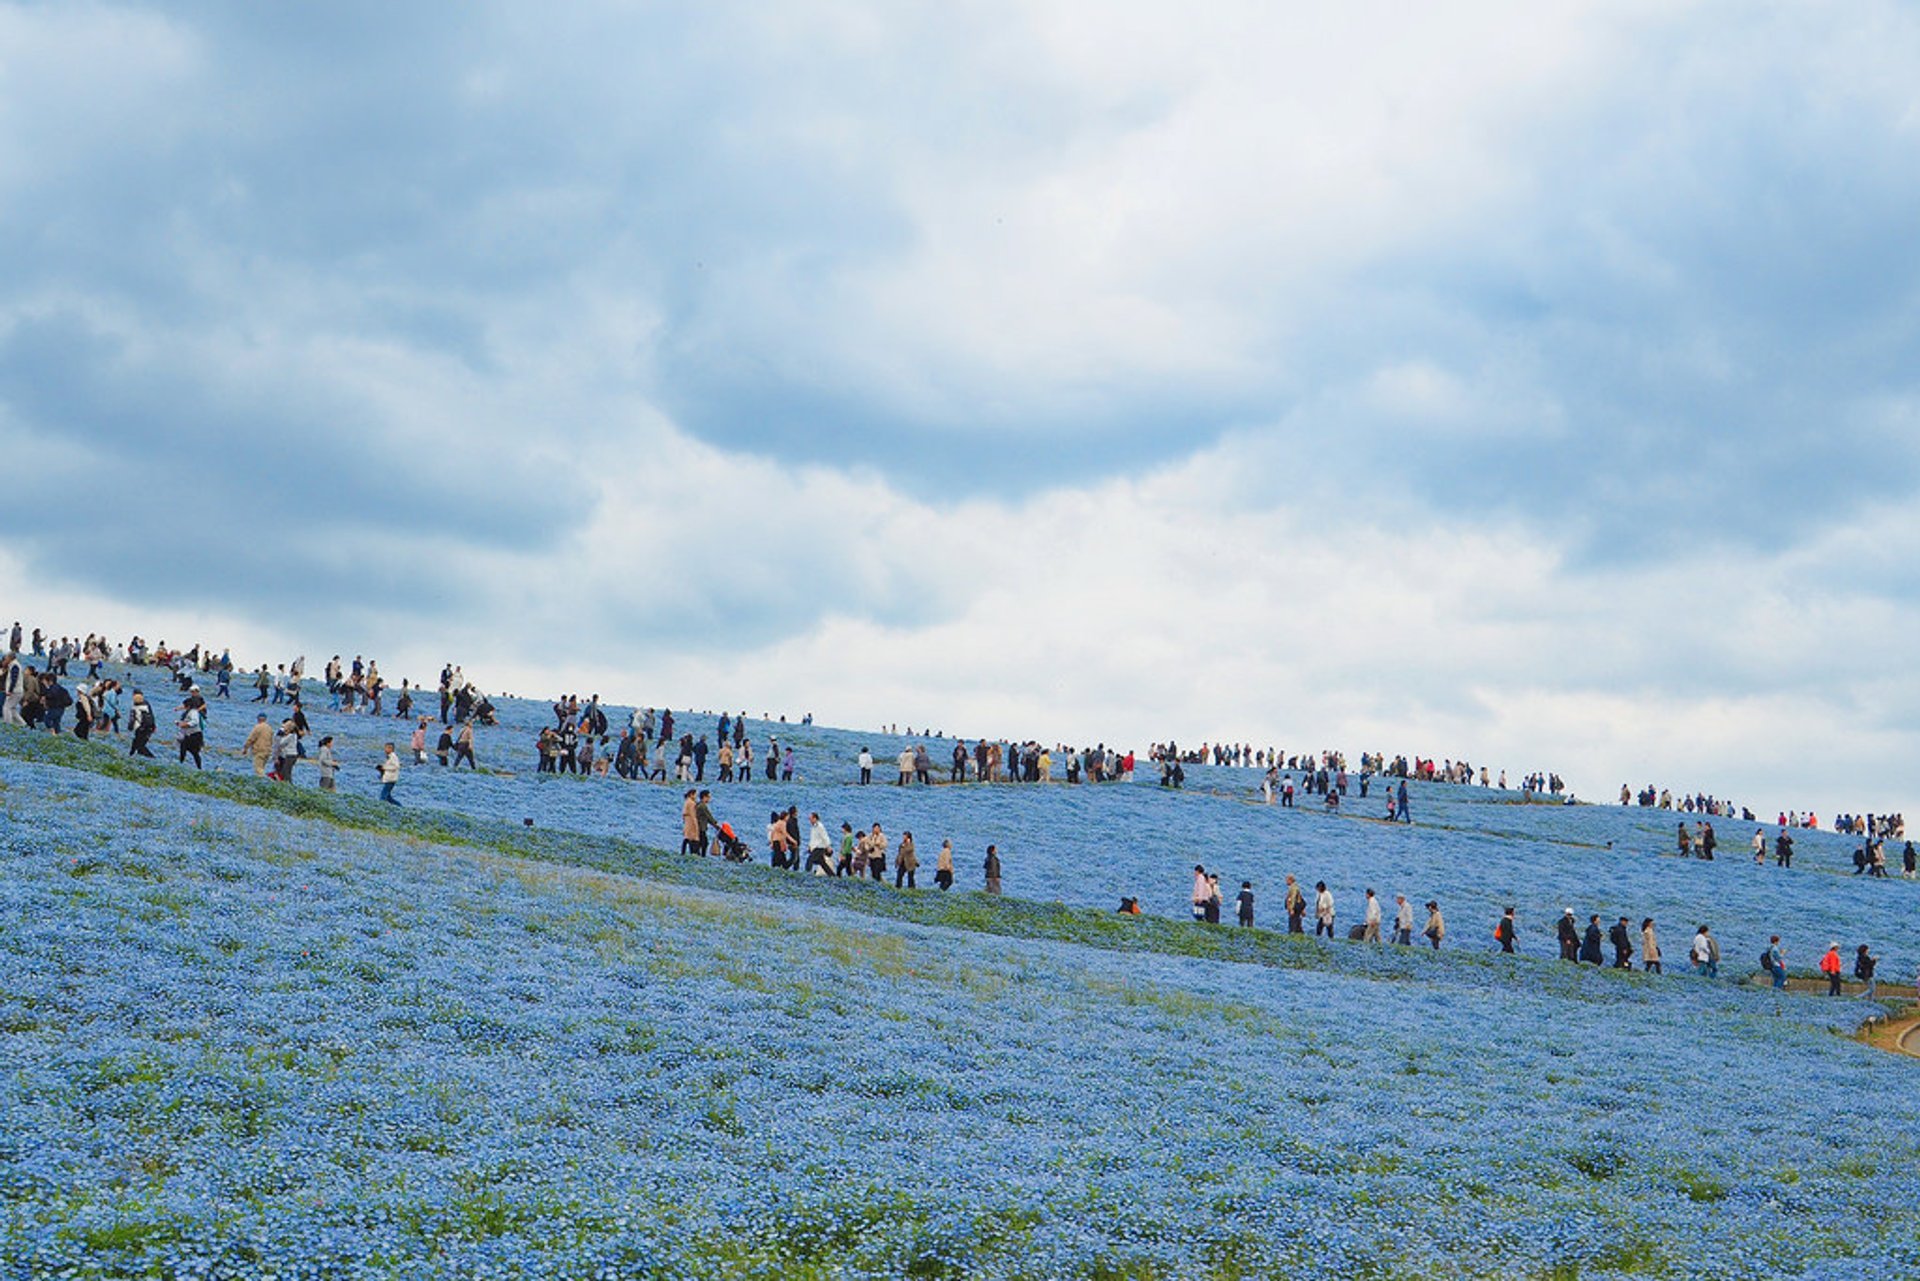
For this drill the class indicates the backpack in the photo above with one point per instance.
(1766, 960)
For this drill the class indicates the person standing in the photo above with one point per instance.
(1783, 850)
(689, 825)
(389, 775)
(1296, 906)
(906, 862)
(1776, 960)
(1436, 926)
(704, 822)
(1201, 893)
(1370, 921)
(866, 767)
(1244, 904)
(992, 869)
(1506, 932)
(1402, 921)
(1759, 846)
(943, 866)
(1649, 948)
(329, 764)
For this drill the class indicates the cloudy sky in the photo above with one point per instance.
(1537, 383)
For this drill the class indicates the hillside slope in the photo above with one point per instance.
(239, 1042)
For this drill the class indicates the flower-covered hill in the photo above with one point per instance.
(241, 1043)
(1474, 850)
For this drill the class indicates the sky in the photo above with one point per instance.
(1531, 383)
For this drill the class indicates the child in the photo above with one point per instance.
(1245, 900)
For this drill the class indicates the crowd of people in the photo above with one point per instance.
(41, 691)
(1588, 945)
(860, 855)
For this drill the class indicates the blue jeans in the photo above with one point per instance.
(386, 793)
(1779, 976)
(52, 717)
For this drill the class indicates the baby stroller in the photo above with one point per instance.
(732, 848)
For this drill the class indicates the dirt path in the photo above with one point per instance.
(1899, 1036)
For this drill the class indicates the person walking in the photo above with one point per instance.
(1776, 962)
(1830, 966)
(992, 869)
(193, 738)
(258, 744)
(1296, 906)
(1864, 965)
(1622, 940)
(1402, 921)
(1201, 893)
(1569, 934)
(389, 775)
(1505, 932)
(286, 750)
(689, 825)
(1370, 919)
(141, 722)
(1322, 910)
(1590, 953)
(1649, 948)
(943, 866)
(1705, 953)
(819, 846)
(1436, 926)
(329, 764)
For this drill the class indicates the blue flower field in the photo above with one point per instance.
(248, 1030)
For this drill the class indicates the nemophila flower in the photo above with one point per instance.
(241, 1043)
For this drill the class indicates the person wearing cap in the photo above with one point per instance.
(259, 745)
(1569, 934)
(1830, 966)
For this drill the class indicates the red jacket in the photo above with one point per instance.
(1830, 963)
